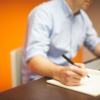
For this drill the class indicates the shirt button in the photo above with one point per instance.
(67, 15)
(71, 12)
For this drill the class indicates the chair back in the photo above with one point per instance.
(16, 66)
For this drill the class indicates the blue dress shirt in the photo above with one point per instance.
(53, 30)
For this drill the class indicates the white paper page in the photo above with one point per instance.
(87, 85)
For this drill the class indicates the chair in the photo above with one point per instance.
(16, 64)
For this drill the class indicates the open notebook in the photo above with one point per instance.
(90, 86)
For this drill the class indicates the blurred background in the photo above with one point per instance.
(13, 21)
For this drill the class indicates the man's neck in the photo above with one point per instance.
(72, 6)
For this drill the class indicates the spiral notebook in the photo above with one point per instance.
(90, 86)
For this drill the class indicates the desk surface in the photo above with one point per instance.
(40, 90)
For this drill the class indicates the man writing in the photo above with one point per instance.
(54, 28)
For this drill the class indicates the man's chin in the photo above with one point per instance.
(85, 8)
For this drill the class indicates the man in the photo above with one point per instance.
(54, 28)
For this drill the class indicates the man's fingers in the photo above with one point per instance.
(72, 74)
(72, 84)
(80, 65)
(78, 70)
(74, 79)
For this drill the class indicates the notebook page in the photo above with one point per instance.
(87, 85)
(92, 71)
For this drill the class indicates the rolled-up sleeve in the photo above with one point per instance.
(92, 39)
(37, 34)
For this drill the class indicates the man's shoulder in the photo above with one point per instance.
(47, 6)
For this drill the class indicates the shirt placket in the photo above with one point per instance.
(71, 35)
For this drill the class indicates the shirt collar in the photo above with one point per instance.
(68, 11)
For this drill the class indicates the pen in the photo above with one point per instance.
(72, 62)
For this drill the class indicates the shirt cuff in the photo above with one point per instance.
(35, 53)
(94, 45)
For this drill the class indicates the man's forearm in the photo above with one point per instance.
(44, 67)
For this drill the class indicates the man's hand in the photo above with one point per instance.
(72, 75)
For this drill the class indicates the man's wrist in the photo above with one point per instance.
(57, 71)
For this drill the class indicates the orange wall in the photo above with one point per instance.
(13, 19)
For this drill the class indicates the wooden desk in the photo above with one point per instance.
(40, 90)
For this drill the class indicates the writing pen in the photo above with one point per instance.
(72, 62)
